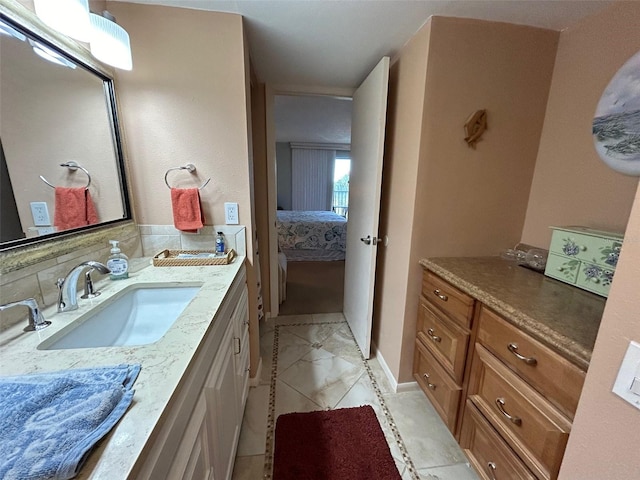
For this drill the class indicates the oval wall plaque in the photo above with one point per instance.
(616, 126)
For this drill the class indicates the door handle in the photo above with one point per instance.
(368, 240)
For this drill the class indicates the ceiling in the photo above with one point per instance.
(331, 45)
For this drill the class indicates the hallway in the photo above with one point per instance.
(311, 362)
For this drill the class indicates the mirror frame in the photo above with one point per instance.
(26, 21)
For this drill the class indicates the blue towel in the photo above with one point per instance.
(50, 422)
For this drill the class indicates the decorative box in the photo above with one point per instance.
(584, 257)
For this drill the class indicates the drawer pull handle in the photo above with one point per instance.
(513, 348)
(441, 296)
(429, 384)
(512, 419)
(492, 468)
(237, 345)
(433, 336)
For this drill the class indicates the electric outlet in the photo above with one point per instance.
(40, 214)
(231, 213)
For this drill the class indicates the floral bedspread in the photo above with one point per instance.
(311, 230)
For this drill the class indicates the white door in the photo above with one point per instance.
(367, 146)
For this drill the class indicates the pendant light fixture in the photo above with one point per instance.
(69, 17)
(109, 42)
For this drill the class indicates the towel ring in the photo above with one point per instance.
(191, 168)
(73, 166)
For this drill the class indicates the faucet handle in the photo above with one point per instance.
(89, 291)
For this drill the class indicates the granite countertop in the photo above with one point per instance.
(164, 363)
(562, 317)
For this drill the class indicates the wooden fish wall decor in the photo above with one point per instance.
(474, 127)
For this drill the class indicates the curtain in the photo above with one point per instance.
(311, 178)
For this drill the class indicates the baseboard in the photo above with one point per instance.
(385, 367)
(255, 380)
(407, 387)
(397, 387)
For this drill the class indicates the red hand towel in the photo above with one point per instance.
(187, 214)
(73, 208)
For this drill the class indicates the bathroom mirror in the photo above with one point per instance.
(53, 113)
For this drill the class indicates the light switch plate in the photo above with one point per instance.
(40, 214)
(629, 371)
(231, 213)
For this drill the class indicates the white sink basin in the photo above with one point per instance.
(138, 315)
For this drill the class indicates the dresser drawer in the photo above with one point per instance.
(535, 430)
(562, 268)
(452, 301)
(588, 245)
(555, 377)
(437, 385)
(446, 340)
(492, 458)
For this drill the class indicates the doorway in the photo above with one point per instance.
(312, 137)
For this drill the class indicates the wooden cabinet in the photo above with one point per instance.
(508, 398)
(554, 377)
(199, 434)
(442, 340)
(489, 454)
(526, 393)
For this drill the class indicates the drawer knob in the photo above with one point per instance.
(491, 466)
(433, 336)
(429, 384)
(513, 348)
(511, 418)
(440, 295)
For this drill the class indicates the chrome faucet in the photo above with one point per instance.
(36, 319)
(68, 286)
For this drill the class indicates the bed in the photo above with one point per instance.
(312, 235)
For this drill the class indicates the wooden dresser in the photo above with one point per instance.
(501, 353)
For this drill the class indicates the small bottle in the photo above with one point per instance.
(220, 250)
(118, 262)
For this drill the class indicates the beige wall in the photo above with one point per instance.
(603, 442)
(467, 202)
(404, 123)
(604, 439)
(571, 185)
(187, 100)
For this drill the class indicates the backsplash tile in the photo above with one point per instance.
(38, 279)
(156, 238)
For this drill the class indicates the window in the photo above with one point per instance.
(340, 201)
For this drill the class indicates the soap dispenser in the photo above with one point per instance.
(118, 262)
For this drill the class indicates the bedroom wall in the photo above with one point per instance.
(283, 172)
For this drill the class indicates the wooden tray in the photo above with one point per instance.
(168, 258)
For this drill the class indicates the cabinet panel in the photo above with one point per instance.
(193, 458)
(529, 424)
(437, 385)
(488, 453)
(447, 341)
(222, 408)
(556, 378)
(451, 300)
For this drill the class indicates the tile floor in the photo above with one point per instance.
(311, 362)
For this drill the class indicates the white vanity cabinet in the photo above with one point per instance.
(199, 435)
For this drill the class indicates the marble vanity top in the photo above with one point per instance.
(164, 363)
(562, 317)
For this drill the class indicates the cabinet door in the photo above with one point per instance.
(443, 393)
(447, 341)
(241, 348)
(526, 421)
(193, 458)
(223, 408)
